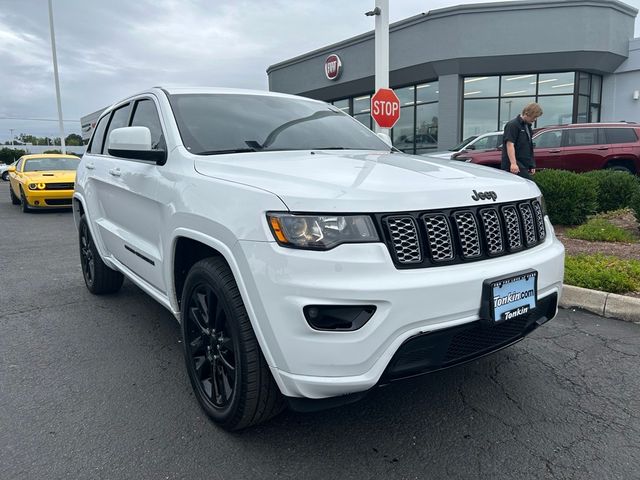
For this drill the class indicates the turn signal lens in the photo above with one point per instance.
(321, 232)
(42, 186)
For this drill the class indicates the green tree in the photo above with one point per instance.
(9, 155)
(73, 139)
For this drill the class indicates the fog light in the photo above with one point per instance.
(37, 202)
(338, 317)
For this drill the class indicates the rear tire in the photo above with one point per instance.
(620, 168)
(14, 200)
(227, 370)
(98, 278)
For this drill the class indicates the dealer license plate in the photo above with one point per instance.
(511, 297)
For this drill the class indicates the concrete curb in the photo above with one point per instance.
(608, 305)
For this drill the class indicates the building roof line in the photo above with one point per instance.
(453, 11)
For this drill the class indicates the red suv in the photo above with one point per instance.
(578, 147)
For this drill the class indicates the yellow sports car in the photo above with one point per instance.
(43, 181)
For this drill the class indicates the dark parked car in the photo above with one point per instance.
(577, 147)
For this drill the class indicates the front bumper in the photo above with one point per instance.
(48, 198)
(410, 303)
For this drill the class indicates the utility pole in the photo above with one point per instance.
(11, 130)
(55, 75)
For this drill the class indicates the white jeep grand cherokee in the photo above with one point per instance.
(306, 260)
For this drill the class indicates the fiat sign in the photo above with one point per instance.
(332, 67)
(385, 108)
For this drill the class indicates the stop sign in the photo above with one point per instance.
(385, 108)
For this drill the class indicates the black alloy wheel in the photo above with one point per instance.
(86, 255)
(211, 347)
(98, 278)
(228, 373)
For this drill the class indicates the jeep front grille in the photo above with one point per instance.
(424, 239)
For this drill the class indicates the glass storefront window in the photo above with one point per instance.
(406, 95)
(364, 118)
(511, 107)
(583, 109)
(518, 85)
(596, 87)
(556, 110)
(480, 116)
(584, 86)
(427, 92)
(403, 133)
(342, 105)
(362, 104)
(427, 126)
(556, 83)
(481, 87)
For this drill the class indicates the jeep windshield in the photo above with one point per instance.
(211, 124)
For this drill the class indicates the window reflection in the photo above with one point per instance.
(427, 126)
(427, 92)
(556, 83)
(512, 107)
(557, 110)
(402, 133)
(481, 87)
(480, 116)
(518, 85)
(406, 95)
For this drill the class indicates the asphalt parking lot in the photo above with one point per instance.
(95, 387)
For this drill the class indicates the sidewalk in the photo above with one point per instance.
(608, 305)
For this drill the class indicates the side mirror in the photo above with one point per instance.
(11, 168)
(385, 138)
(134, 142)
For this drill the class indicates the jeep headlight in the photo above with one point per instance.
(321, 232)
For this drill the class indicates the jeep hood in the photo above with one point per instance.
(365, 181)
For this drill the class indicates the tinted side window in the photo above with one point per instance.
(119, 119)
(581, 136)
(98, 136)
(621, 135)
(549, 139)
(146, 115)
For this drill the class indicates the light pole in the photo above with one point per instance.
(381, 12)
(57, 81)
(11, 130)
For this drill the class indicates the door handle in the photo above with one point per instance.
(554, 151)
(602, 148)
(89, 166)
(115, 172)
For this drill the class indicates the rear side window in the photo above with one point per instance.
(549, 139)
(621, 135)
(575, 137)
(119, 119)
(146, 115)
(98, 136)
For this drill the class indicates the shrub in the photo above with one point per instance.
(569, 197)
(605, 273)
(600, 230)
(634, 203)
(615, 189)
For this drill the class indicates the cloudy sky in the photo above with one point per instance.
(108, 49)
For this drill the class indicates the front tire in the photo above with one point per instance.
(14, 199)
(23, 201)
(228, 372)
(5, 176)
(98, 278)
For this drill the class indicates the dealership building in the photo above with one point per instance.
(468, 69)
